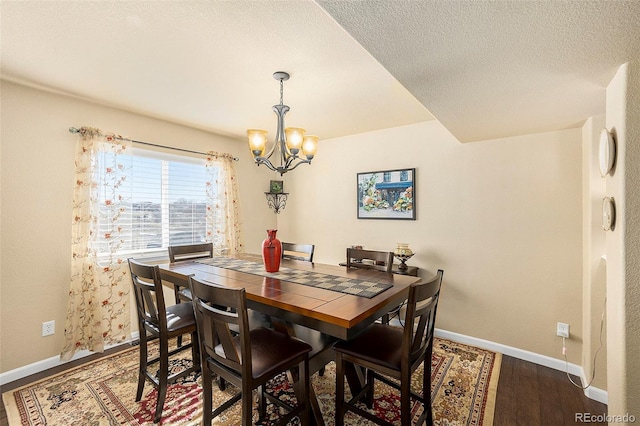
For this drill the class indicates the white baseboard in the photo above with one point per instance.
(593, 392)
(546, 361)
(557, 364)
(45, 364)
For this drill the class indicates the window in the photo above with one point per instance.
(167, 202)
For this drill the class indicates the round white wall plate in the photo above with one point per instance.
(608, 213)
(607, 152)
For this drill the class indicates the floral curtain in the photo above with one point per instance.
(98, 311)
(223, 223)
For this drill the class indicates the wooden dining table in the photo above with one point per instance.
(331, 312)
(337, 314)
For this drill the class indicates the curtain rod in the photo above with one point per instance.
(74, 130)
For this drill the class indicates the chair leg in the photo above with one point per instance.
(262, 403)
(426, 389)
(304, 385)
(339, 420)
(163, 375)
(405, 399)
(368, 398)
(247, 406)
(143, 363)
(207, 395)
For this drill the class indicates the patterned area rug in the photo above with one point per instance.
(353, 286)
(464, 381)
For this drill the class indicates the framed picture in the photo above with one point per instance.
(276, 187)
(387, 194)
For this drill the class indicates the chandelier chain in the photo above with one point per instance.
(281, 92)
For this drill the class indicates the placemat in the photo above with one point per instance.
(356, 287)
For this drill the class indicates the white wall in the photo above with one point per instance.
(503, 218)
(37, 170)
(594, 266)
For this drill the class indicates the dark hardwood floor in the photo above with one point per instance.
(528, 394)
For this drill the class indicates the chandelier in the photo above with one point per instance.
(288, 142)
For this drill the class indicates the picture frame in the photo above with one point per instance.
(386, 194)
(276, 187)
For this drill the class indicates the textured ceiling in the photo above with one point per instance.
(490, 69)
(485, 69)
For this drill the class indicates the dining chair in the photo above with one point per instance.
(295, 251)
(320, 342)
(188, 252)
(391, 352)
(156, 320)
(247, 360)
(378, 260)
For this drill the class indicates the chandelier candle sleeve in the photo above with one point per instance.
(257, 141)
(288, 141)
(294, 137)
(310, 146)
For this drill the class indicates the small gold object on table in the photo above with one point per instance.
(403, 253)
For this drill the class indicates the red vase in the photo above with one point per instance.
(271, 251)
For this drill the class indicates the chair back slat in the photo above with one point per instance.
(229, 351)
(189, 252)
(296, 251)
(379, 260)
(422, 306)
(148, 293)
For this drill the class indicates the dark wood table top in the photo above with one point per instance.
(338, 314)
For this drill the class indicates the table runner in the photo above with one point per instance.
(346, 285)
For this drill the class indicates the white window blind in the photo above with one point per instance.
(167, 203)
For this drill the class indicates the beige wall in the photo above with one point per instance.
(37, 187)
(594, 249)
(623, 244)
(503, 218)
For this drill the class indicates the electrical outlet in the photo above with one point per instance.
(48, 328)
(563, 330)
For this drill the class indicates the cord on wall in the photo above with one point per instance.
(595, 356)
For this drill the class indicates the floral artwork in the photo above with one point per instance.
(388, 194)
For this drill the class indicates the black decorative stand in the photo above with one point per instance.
(403, 258)
(276, 200)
